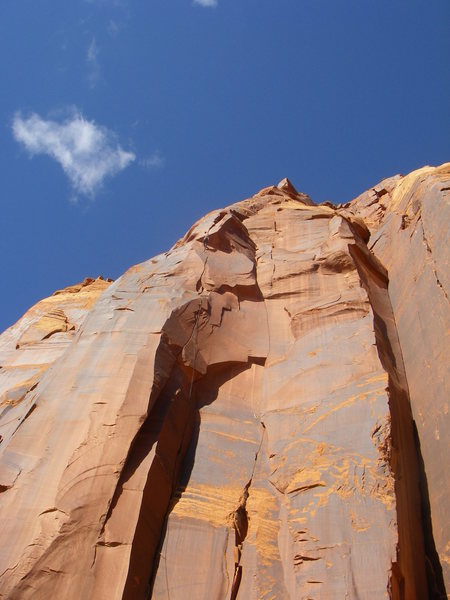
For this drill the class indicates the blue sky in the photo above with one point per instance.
(124, 121)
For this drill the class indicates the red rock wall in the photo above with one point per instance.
(409, 219)
(232, 419)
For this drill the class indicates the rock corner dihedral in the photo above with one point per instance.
(260, 412)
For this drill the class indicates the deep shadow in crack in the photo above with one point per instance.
(205, 391)
(164, 436)
(435, 578)
(417, 573)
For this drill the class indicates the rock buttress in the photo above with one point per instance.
(226, 421)
(409, 219)
(293, 452)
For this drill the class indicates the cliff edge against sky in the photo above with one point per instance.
(261, 412)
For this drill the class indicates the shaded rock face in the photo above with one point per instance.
(260, 412)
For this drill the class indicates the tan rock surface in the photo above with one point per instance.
(410, 235)
(33, 344)
(232, 419)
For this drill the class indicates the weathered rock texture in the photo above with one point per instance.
(261, 412)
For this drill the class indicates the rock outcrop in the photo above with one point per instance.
(261, 412)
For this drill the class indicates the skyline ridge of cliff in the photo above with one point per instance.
(259, 412)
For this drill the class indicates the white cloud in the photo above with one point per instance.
(154, 161)
(211, 3)
(93, 63)
(87, 152)
(92, 53)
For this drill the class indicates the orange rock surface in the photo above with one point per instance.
(259, 413)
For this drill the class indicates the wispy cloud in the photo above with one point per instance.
(87, 152)
(154, 161)
(210, 3)
(113, 28)
(93, 63)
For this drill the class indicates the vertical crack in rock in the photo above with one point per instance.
(199, 338)
(409, 579)
(168, 430)
(435, 576)
(240, 522)
(431, 259)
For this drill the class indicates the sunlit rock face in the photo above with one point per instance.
(259, 413)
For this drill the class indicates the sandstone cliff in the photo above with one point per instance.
(261, 412)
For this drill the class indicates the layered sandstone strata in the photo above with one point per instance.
(260, 412)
